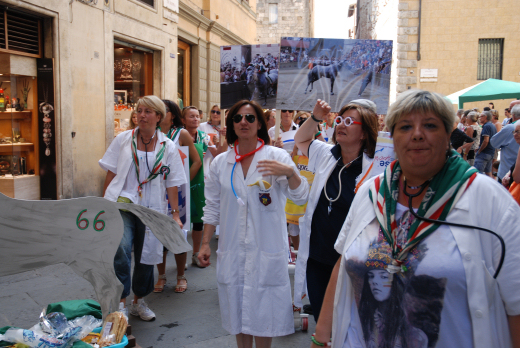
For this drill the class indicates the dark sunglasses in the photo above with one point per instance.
(215, 112)
(249, 118)
(291, 111)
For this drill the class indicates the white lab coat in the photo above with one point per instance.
(253, 251)
(486, 204)
(118, 159)
(321, 161)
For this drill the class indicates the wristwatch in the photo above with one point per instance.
(175, 211)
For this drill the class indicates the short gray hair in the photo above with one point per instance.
(515, 112)
(487, 114)
(416, 100)
(460, 112)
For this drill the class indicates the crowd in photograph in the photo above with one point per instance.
(414, 257)
(233, 71)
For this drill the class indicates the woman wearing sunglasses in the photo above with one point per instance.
(245, 194)
(339, 171)
(212, 129)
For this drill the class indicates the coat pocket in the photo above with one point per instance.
(273, 269)
(227, 268)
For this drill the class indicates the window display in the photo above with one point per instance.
(133, 78)
(19, 162)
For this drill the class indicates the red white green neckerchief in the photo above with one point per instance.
(445, 189)
(216, 128)
(239, 158)
(172, 133)
(156, 167)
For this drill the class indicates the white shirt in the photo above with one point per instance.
(208, 156)
(321, 161)
(486, 204)
(271, 133)
(118, 159)
(253, 281)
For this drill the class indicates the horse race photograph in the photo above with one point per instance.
(249, 72)
(334, 70)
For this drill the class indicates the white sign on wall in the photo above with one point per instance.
(174, 17)
(172, 5)
(429, 72)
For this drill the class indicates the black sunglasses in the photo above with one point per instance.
(291, 111)
(215, 112)
(249, 118)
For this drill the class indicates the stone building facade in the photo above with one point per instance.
(279, 18)
(85, 38)
(436, 43)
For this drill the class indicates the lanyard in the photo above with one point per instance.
(156, 167)
(239, 158)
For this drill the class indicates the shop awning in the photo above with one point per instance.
(490, 89)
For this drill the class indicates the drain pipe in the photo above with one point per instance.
(419, 33)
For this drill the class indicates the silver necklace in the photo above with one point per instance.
(339, 178)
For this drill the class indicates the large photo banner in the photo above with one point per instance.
(334, 70)
(249, 72)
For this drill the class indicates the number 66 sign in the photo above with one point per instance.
(83, 233)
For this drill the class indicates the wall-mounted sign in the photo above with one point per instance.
(171, 15)
(172, 5)
(429, 72)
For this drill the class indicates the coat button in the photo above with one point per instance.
(467, 256)
(478, 313)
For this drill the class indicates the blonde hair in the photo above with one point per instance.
(300, 113)
(154, 103)
(424, 102)
(131, 124)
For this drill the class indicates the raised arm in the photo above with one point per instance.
(306, 132)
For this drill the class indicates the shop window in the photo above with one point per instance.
(490, 59)
(273, 13)
(183, 74)
(20, 34)
(19, 137)
(133, 79)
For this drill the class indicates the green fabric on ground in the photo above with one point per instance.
(76, 308)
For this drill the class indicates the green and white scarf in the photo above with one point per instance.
(443, 192)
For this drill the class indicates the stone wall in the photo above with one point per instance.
(294, 19)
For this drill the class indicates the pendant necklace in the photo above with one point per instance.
(339, 178)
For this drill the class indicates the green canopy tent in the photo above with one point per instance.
(490, 89)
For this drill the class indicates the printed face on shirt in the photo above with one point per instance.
(191, 119)
(420, 143)
(380, 282)
(147, 118)
(244, 129)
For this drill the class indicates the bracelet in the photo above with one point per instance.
(175, 211)
(288, 177)
(315, 119)
(328, 344)
(317, 134)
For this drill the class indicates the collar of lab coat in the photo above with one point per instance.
(260, 155)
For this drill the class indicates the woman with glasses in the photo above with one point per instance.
(340, 169)
(172, 126)
(203, 144)
(286, 124)
(245, 195)
(270, 118)
(212, 128)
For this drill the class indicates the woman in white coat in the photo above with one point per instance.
(339, 170)
(245, 194)
(142, 165)
(404, 280)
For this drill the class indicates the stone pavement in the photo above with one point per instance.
(190, 320)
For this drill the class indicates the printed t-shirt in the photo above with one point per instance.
(426, 306)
